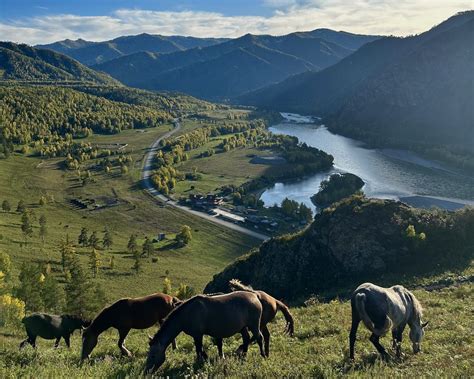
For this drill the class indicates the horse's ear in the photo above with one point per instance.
(425, 324)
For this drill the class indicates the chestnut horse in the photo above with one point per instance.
(126, 314)
(270, 307)
(219, 316)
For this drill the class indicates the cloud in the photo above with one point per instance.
(359, 16)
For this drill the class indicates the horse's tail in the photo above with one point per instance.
(290, 323)
(360, 300)
(237, 285)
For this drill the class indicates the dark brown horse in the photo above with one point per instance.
(218, 316)
(51, 327)
(126, 314)
(270, 307)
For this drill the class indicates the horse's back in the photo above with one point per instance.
(43, 325)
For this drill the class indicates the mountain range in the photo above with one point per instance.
(214, 69)
(408, 91)
(90, 53)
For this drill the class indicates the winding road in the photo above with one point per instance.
(148, 186)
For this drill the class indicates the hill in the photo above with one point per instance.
(90, 53)
(413, 92)
(25, 63)
(354, 241)
(230, 68)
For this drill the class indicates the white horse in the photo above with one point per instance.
(382, 309)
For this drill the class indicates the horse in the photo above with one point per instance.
(270, 307)
(382, 309)
(218, 316)
(51, 327)
(126, 314)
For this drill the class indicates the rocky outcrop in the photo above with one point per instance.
(355, 240)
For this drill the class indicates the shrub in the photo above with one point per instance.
(12, 311)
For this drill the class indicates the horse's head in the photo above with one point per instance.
(417, 333)
(89, 341)
(156, 356)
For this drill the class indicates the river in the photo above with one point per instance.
(387, 173)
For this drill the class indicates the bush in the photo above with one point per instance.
(12, 311)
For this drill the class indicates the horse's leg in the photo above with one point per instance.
(257, 334)
(375, 340)
(122, 335)
(353, 334)
(56, 344)
(67, 339)
(266, 339)
(397, 340)
(200, 353)
(24, 342)
(242, 349)
(219, 347)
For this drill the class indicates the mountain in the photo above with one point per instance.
(230, 68)
(354, 241)
(90, 53)
(22, 62)
(401, 91)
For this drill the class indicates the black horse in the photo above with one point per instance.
(51, 327)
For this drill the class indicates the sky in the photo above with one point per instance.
(45, 21)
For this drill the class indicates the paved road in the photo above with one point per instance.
(146, 178)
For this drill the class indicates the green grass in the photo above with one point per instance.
(318, 349)
(27, 178)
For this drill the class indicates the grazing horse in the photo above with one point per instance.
(51, 327)
(270, 307)
(219, 316)
(382, 309)
(126, 314)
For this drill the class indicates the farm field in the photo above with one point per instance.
(318, 349)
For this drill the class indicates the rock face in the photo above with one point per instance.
(353, 241)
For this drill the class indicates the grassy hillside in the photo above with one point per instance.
(319, 348)
(29, 178)
(22, 62)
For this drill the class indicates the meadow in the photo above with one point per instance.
(318, 349)
(28, 178)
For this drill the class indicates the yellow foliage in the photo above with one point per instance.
(12, 311)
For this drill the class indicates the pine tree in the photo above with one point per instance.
(52, 294)
(67, 253)
(83, 238)
(94, 241)
(29, 289)
(94, 262)
(43, 230)
(137, 264)
(21, 207)
(147, 248)
(107, 240)
(6, 207)
(26, 226)
(132, 246)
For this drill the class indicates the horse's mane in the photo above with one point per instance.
(237, 285)
(417, 308)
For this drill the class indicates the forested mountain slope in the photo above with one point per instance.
(415, 92)
(230, 68)
(22, 62)
(354, 241)
(89, 53)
